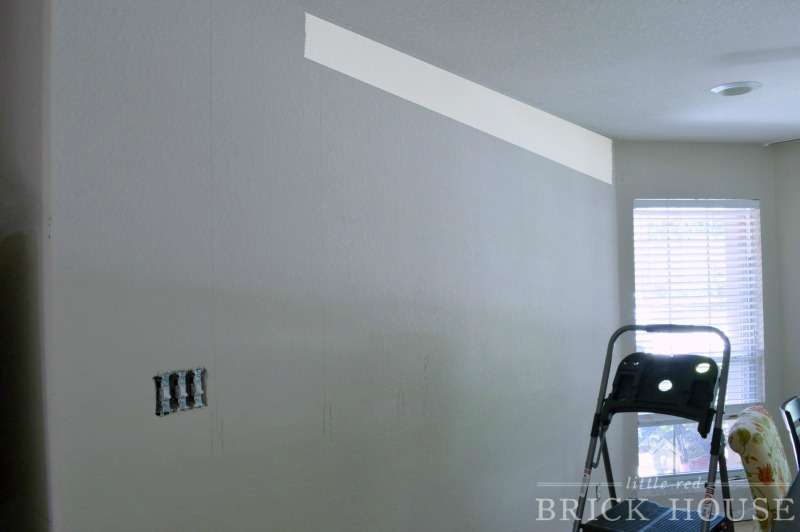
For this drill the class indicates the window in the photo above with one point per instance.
(698, 262)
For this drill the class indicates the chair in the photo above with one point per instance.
(791, 414)
(755, 438)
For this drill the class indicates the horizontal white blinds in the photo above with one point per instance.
(699, 263)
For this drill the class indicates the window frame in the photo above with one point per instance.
(732, 411)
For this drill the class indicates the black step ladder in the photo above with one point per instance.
(678, 385)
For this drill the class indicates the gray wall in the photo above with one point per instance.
(403, 319)
(21, 112)
(787, 173)
(22, 482)
(698, 170)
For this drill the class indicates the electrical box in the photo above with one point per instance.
(180, 390)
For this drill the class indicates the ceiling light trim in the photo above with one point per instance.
(736, 88)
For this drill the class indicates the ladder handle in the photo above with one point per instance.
(672, 328)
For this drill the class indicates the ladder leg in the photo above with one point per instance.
(612, 490)
(726, 488)
(584, 489)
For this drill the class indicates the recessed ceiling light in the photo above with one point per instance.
(736, 88)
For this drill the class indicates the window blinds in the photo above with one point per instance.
(698, 262)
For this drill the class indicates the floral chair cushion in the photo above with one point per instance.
(755, 438)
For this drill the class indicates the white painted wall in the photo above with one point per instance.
(787, 173)
(403, 318)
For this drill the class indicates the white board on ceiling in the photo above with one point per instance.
(460, 99)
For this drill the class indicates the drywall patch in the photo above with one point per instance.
(460, 99)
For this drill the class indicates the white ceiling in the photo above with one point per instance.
(630, 69)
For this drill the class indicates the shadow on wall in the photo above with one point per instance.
(22, 478)
(758, 56)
